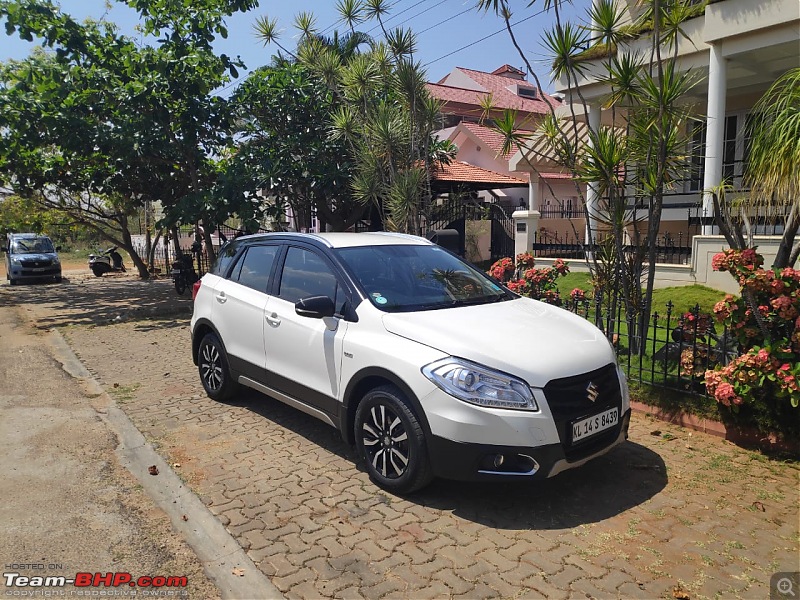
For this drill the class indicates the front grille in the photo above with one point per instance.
(33, 264)
(568, 399)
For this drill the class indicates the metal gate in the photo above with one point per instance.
(502, 240)
(454, 214)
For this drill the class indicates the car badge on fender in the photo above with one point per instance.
(592, 392)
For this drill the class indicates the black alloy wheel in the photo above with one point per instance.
(215, 374)
(391, 441)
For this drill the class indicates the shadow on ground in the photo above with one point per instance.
(626, 477)
(100, 301)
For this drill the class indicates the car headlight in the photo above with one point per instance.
(16, 262)
(56, 260)
(480, 385)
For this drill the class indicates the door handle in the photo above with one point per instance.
(272, 319)
(221, 297)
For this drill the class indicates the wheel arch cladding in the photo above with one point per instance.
(366, 380)
(201, 329)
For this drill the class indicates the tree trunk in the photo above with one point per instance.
(786, 255)
(127, 244)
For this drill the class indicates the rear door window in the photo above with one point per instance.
(255, 267)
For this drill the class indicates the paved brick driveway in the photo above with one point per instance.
(670, 509)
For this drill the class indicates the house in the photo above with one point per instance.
(471, 102)
(737, 48)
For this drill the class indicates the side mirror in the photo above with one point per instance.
(315, 307)
(58, 248)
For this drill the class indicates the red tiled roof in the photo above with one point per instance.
(497, 86)
(446, 93)
(490, 137)
(461, 171)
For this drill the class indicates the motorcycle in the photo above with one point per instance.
(106, 261)
(183, 273)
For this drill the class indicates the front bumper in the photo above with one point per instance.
(465, 461)
(30, 274)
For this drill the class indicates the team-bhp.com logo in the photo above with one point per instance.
(94, 580)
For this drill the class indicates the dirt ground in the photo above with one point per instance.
(66, 505)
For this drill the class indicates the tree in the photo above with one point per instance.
(285, 148)
(771, 172)
(381, 111)
(642, 154)
(102, 125)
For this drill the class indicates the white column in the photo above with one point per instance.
(526, 222)
(592, 196)
(715, 129)
(534, 193)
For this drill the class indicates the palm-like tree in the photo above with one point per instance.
(773, 165)
(383, 109)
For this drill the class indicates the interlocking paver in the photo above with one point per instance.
(649, 516)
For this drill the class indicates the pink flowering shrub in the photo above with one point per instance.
(765, 374)
(577, 295)
(502, 269)
(524, 279)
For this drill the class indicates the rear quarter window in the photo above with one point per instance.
(224, 259)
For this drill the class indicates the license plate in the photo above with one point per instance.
(595, 424)
(39, 269)
(176, 271)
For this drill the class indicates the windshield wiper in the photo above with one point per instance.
(479, 300)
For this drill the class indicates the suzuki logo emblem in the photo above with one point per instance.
(592, 392)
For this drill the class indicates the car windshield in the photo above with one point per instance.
(37, 245)
(408, 278)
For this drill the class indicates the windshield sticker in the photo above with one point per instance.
(380, 299)
(495, 287)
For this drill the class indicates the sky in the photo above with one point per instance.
(450, 33)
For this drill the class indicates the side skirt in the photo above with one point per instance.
(273, 393)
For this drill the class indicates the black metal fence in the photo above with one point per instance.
(164, 255)
(670, 249)
(673, 352)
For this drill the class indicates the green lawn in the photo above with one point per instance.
(683, 298)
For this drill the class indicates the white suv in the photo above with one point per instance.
(429, 366)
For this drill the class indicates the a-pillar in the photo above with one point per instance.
(592, 195)
(715, 129)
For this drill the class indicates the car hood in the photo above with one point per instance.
(523, 337)
(38, 256)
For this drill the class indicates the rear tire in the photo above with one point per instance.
(215, 372)
(180, 285)
(391, 441)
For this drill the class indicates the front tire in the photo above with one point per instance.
(98, 271)
(391, 441)
(215, 372)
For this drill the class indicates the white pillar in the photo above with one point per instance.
(526, 222)
(534, 193)
(592, 196)
(715, 129)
